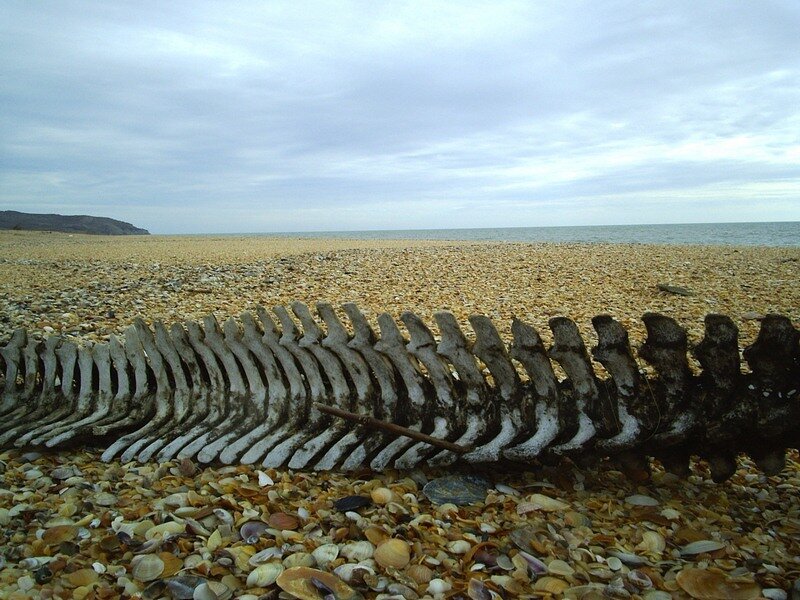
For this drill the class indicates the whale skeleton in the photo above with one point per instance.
(246, 391)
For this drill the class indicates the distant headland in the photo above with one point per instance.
(12, 219)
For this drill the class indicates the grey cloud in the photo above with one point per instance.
(377, 115)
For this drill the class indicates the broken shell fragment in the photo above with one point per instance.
(701, 546)
(284, 521)
(540, 502)
(381, 495)
(264, 575)
(420, 574)
(641, 500)
(298, 582)
(711, 584)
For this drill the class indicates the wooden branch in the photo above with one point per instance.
(392, 428)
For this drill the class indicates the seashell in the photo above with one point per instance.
(265, 555)
(461, 490)
(614, 563)
(325, 553)
(59, 534)
(632, 560)
(393, 552)
(560, 567)
(652, 542)
(536, 566)
(172, 564)
(284, 521)
(701, 546)
(299, 559)
(641, 500)
(358, 551)
(223, 516)
(264, 479)
(375, 534)
(349, 503)
(640, 579)
(420, 574)
(212, 590)
(576, 519)
(306, 584)
(401, 590)
(164, 530)
(182, 588)
(264, 575)
(541, 502)
(504, 562)
(33, 563)
(177, 500)
(352, 572)
(105, 499)
(708, 584)
(477, 590)
(214, 541)
(506, 489)
(549, 584)
(774, 593)
(459, 546)
(82, 577)
(657, 595)
(252, 529)
(146, 567)
(381, 495)
(439, 586)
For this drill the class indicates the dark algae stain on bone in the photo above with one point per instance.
(246, 391)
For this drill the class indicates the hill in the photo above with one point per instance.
(12, 219)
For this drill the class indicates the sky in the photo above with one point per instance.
(224, 117)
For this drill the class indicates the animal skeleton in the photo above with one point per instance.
(246, 391)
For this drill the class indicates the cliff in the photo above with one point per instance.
(11, 219)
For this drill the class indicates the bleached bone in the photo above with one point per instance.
(181, 394)
(304, 428)
(275, 395)
(423, 347)
(208, 394)
(540, 406)
(363, 343)
(570, 352)
(454, 347)
(392, 345)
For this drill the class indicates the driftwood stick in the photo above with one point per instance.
(392, 428)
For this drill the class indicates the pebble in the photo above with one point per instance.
(755, 516)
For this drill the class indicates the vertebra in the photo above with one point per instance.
(246, 391)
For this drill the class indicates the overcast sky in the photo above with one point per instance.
(299, 116)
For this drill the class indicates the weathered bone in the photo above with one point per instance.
(246, 392)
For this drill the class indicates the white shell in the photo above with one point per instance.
(264, 479)
(325, 554)
(264, 575)
(265, 555)
(345, 572)
(701, 546)
(439, 586)
(459, 546)
(358, 551)
(641, 500)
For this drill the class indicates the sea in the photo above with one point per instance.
(783, 234)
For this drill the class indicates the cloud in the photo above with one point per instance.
(279, 116)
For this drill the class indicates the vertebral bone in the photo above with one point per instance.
(246, 392)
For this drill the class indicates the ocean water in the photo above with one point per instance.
(785, 234)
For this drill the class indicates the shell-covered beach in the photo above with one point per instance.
(75, 527)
